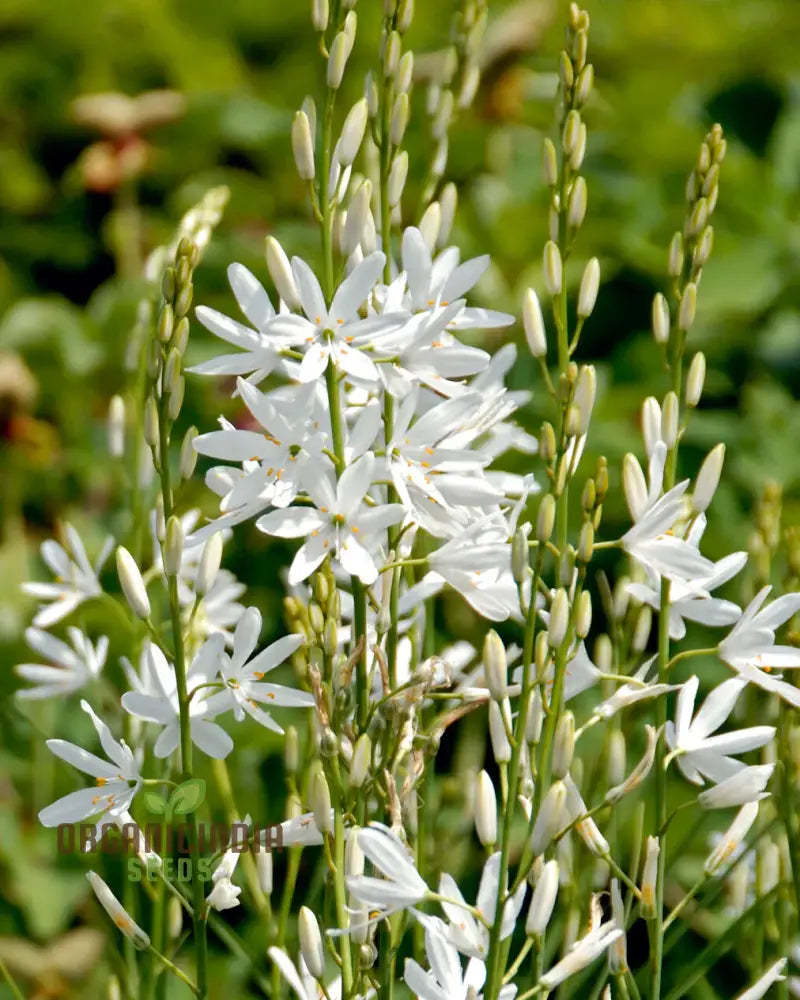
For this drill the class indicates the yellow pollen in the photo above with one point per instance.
(349, 340)
(315, 532)
(354, 529)
(326, 544)
(100, 782)
(425, 465)
(429, 451)
(444, 302)
(340, 321)
(270, 470)
(317, 319)
(96, 799)
(258, 675)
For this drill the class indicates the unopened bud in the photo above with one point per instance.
(397, 178)
(501, 748)
(469, 86)
(549, 163)
(660, 319)
(698, 217)
(547, 442)
(533, 322)
(634, 486)
(564, 745)
(116, 427)
(291, 750)
(371, 95)
(535, 720)
(669, 419)
(549, 820)
(732, 838)
(356, 218)
(618, 952)
(552, 268)
(695, 380)
(641, 631)
(180, 335)
(675, 263)
(430, 224)
(520, 564)
(166, 321)
(545, 518)
(650, 878)
(543, 900)
(264, 871)
(708, 478)
(583, 612)
(183, 300)
(405, 72)
(321, 803)
(495, 665)
(173, 546)
(132, 584)
(337, 60)
(586, 540)
(448, 199)
(188, 455)
(485, 810)
(311, 943)
(280, 270)
(585, 394)
(576, 205)
(565, 71)
(391, 55)
(578, 153)
(704, 247)
(303, 146)
(353, 854)
(616, 757)
(584, 85)
(352, 133)
(176, 390)
(208, 566)
(362, 757)
(397, 128)
(559, 619)
(590, 285)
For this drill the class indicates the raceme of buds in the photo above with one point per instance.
(303, 146)
(590, 285)
(495, 665)
(485, 810)
(708, 478)
(533, 322)
(649, 878)
(543, 900)
(208, 566)
(564, 745)
(132, 584)
(695, 379)
(311, 942)
(552, 268)
(660, 319)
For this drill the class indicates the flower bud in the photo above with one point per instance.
(585, 393)
(352, 133)
(180, 335)
(584, 84)
(571, 131)
(116, 427)
(731, 840)
(616, 757)
(641, 631)
(559, 619)
(362, 757)
(311, 943)
(578, 153)
(405, 72)
(353, 854)
(543, 900)
(397, 178)
(545, 518)
(675, 262)
(132, 584)
(634, 486)
(547, 442)
(303, 146)
(337, 60)
(705, 245)
(495, 665)
(501, 748)
(586, 540)
(321, 803)
(698, 217)
(430, 224)
(566, 72)
(291, 751)
(535, 720)
(669, 420)
(319, 14)
(117, 912)
(399, 122)
(686, 309)
(469, 86)
(391, 54)
(549, 163)
(650, 878)
(552, 268)
(576, 205)
(708, 478)
(564, 744)
(173, 546)
(166, 321)
(660, 319)
(590, 285)
(618, 952)
(549, 820)
(174, 918)
(583, 612)
(533, 322)
(188, 455)
(280, 271)
(485, 810)
(448, 199)
(208, 566)
(695, 379)
(264, 871)
(520, 564)
(356, 218)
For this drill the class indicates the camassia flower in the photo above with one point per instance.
(76, 578)
(160, 703)
(244, 673)
(71, 667)
(697, 752)
(340, 524)
(117, 780)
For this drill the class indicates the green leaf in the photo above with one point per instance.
(187, 796)
(154, 802)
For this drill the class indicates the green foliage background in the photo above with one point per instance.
(665, 69)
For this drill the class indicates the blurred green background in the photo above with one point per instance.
(74, 230)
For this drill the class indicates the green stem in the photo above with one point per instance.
(10, 980)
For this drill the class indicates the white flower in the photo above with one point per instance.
(225, 895)
(244, 676)
(750, 649)
(468, 934)
(117, 779)
(341, 524)
(161, 703)
(70, 668)
(122, 919)
(402, 885)
(649, 541)
(774, 974)
(745, 786)
(699, 754)
(581, 954)
(76, 579)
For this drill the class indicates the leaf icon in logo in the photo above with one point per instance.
(155, 804)
(187, 796)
